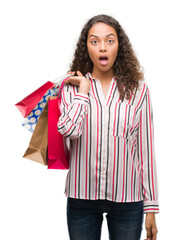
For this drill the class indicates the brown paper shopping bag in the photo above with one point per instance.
(37, 149)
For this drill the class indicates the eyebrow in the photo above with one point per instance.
(110, 34)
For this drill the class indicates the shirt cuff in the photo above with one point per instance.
(81, 98)
(151, 206)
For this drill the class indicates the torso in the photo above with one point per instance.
(105, 89)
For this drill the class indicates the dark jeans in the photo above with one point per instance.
(84, 218)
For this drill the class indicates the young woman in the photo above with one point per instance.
(106, 112)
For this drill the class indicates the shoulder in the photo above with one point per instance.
(68, 93)
(142, 86)
(70, 89)
(140, 93)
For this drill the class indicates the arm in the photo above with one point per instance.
(150, 225)
(74, 108)
(146, 155)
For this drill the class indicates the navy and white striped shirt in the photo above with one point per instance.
(112, 144)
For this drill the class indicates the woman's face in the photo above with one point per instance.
(102, 45)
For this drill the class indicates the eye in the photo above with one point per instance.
(94, 42)
(110, 41)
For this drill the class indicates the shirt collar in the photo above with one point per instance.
(88, 75)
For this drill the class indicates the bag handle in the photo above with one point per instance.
(61, 87)
(57, 82)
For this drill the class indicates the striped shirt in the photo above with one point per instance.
(112, 153)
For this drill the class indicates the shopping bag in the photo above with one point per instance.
(58, 146)
(27, 104)
(37, 149)
(32, 118)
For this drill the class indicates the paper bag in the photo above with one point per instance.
(37, 149)
(32, 118)
(58, 153)
(26, 105)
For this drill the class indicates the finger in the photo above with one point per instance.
(67, 80)
(154, 233)
(149, 235)
(154, 238)
(70, 73)
(79, 73)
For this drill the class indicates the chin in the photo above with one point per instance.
(105, 69)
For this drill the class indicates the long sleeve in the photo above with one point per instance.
(74, 108)
(146, 153)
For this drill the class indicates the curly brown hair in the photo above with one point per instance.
(126, 67)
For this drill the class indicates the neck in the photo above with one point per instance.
(102, 76)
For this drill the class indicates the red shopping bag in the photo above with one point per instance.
(58, 154)
(27, 104)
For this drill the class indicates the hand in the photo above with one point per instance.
(150, 226)
(80, 80)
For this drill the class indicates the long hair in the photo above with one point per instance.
(126, 67)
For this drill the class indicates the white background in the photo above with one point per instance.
(37, 43)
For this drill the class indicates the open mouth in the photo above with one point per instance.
(103, 60)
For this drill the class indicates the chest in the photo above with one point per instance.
(105, 89)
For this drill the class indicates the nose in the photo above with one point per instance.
(102, 47)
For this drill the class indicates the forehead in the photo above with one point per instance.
(101, 29)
